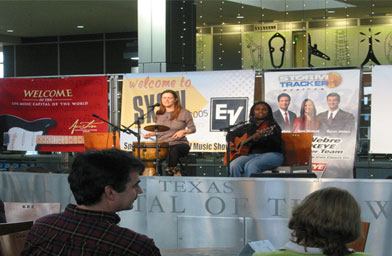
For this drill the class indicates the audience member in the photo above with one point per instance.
(324, 222)
(103, 183)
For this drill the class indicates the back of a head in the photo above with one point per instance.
(92, 171)
(327, 219)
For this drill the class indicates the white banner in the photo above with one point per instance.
(380, 135)
(215, 99)
(334, 139)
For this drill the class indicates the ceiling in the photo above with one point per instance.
(33, 18)
(36, 18)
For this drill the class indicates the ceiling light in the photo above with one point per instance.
(240, 16)
(134, 58)
(331, 11)
(80, 26)
(10, 30)
(297, 5)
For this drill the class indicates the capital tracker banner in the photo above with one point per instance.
(51, 114)
(216, 99)
(310, 97)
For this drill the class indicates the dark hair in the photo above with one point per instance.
(284, 95)
(327, 219)
(303, 108)
(334, 94)
(92, 171)
(270, 117)
(177, 105)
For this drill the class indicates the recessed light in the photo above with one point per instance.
(80, 26)
(134, 58)
(331, 11)
(10, 30)
(240, 17)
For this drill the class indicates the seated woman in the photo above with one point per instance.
(324, 222)
(180, 123)
(308, 120)
(264, 145)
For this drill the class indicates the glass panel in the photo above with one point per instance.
(364, 133)
(1, 57)
(1, 70)
(364, 120)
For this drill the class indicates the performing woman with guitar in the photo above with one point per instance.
(256, 147)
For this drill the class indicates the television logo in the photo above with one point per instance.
(319, 167)
(227, 111)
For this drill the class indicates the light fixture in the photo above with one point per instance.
(239, 16)
(131, 55)
(80, 26)
(10, 31)
(331, 11)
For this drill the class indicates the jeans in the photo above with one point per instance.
(255, 163)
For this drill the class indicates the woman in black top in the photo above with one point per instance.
(263, 137)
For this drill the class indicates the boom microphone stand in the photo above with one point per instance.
(137, 122)
(115, 129)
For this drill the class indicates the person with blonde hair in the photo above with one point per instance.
(323, 224)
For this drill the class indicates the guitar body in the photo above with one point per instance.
(240, 150)
(21, 139)
(36, 127)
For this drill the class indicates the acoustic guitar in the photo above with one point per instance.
(242, 145)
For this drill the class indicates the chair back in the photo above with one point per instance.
(17, 212)
(360, 243)
(100, 140)
(297, 148)
(12, 237)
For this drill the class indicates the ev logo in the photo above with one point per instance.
(227, 111)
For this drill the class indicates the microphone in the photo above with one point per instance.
(94, 115)
(155, 105)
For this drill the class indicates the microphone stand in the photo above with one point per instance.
(114, 128)
(228, 130)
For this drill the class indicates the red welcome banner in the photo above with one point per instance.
(51, 114)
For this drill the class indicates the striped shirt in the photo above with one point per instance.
(82, 232)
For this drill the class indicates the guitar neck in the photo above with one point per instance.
(59, 139)
(248, 139)
(263, 132)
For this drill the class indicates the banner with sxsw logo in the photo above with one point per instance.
(51, 114)
(325, 102)
(216, 99)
